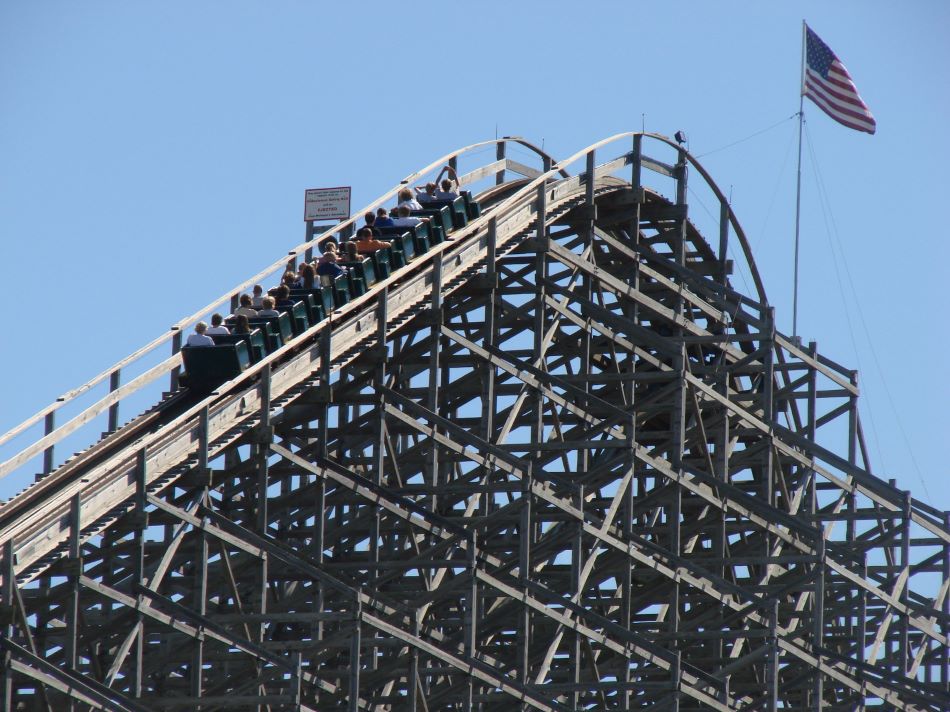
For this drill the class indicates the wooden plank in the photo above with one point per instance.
(89, 414)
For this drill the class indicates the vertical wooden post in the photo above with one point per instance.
(72, 605)
(321, 493)
(943, 658)
(681, 232)
(200, 590)
(488, 380)
(354, 692)
(577, 563)
(861, 618)
(768, 408)
(724, 211)
(435, 341)
(818, 607)
(114, 378)
(48, 454)
(175, 374)
(263, 476)
(500, 155)
(904, 630)
(676, 679)
(772, 665)
(8, 603)
(414, 668)
(524, 574)
(379, 445)
(471, 619)
(818, 630)
(297, 679)
(526, 528)
(141, 495)
(627, 581)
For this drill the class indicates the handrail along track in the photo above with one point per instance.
(166, 440)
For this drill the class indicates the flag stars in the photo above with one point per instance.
(828, 84)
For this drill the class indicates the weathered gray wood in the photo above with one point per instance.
(584, 474)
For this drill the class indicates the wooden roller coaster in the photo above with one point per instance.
(558, 462)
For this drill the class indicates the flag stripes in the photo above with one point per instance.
(830, 87)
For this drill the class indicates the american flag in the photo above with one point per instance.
(828, 84)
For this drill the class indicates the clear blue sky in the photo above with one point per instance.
(154, 154)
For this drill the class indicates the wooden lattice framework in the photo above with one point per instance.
(561, 463)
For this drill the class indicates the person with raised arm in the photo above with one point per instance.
(426, 194)
(449, 186)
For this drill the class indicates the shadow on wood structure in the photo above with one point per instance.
(559, 462)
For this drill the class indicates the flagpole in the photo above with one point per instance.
(798, 188)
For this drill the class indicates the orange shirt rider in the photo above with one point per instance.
(366, 244)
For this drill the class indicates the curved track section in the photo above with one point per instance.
(559, 462)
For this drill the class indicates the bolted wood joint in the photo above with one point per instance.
(261, 434)
(539, 244)
(376, 354)
(321, 394)
(136, 520)
(431, 317)
(72, 567)
(585, 212)
(485, 281)
(315, 395)
(197, 477)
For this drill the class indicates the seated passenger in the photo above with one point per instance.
(350, 253)
(449, 191)
(283, 297)
(216, 326)
(199, 338)
(427, 194)
(407, 220)
(366, 244)
(307, 278)
(242, 325)
(383, 219)
(328, 247)
(288, 279)
(328, 266)
(245, 307)
(268, 309)
(370, 219)
(257, 301)
(405, 198)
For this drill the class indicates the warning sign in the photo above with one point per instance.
(326, 204)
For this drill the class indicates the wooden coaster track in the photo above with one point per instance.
(558, 462)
